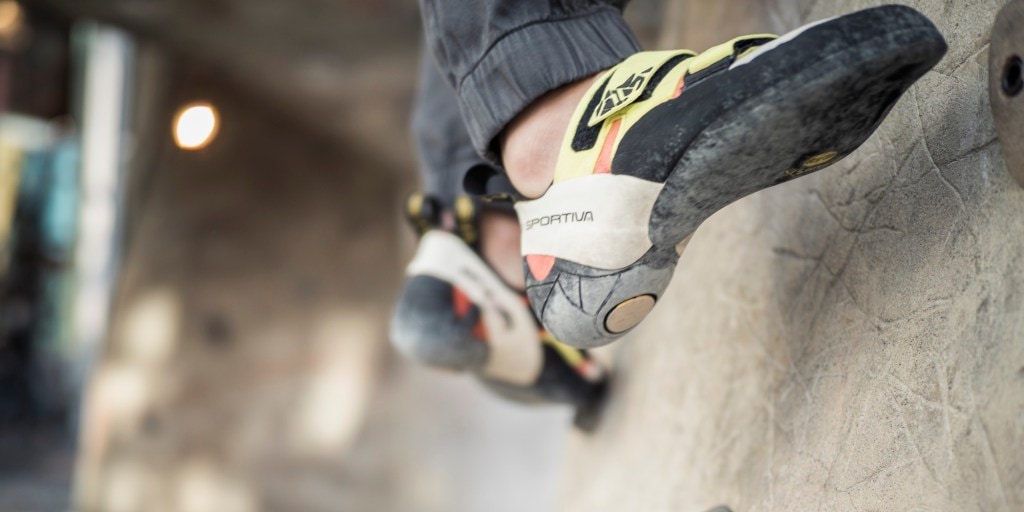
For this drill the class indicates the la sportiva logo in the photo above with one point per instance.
(622, 93)
(560, 218)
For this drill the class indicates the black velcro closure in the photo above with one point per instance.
(659, 75)
(586, 136)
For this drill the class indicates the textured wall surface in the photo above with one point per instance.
(852, 341)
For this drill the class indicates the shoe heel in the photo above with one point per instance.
(587, 307)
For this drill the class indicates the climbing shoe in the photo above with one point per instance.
(665, 139)
(455, 312)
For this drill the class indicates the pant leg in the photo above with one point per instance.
(439, 134)
(501, 55)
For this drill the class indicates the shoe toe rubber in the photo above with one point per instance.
(793, 111)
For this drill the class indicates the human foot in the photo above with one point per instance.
(499, 246)
(530, 143)
(665, 139)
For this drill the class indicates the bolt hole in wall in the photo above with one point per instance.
(1013, 81)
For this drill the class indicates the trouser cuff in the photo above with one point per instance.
(527, 63)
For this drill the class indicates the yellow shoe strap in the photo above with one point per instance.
(627, 80)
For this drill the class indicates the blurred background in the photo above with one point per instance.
(199, 242)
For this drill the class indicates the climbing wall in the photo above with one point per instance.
(852, 341)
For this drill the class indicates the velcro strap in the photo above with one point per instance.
(628, 80)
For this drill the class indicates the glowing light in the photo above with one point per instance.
(195, 126)
(10, 18)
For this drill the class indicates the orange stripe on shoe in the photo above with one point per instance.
(680, 87)
(590, 371)
(480, 331)
(604, 159)
(460, 303)
(540, 265)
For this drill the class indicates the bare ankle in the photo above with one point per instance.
(530, 143)
(499, 245)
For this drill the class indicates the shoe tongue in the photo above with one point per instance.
(626, 82)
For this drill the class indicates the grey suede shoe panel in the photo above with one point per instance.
(424, 327)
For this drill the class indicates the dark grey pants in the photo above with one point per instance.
(491, 59)
(442, 142)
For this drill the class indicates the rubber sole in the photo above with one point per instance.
(789, 119)
(790, 111)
